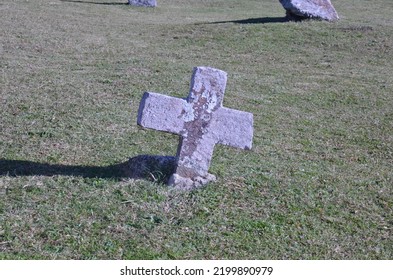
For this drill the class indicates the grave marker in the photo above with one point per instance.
(201, 121)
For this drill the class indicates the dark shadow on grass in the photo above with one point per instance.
(148, 167)
(17, 168)
(92, 2)
(262, 20)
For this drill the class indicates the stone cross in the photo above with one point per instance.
(201, 121)
(143, 3)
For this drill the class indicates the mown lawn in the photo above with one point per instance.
(317, 184)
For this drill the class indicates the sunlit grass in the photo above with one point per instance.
(316, 185)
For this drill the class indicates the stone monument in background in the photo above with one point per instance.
(313, 9)
(143, 3)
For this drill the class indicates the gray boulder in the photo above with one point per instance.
(143, 3)
(315, 9)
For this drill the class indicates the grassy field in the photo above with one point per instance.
(318, 183)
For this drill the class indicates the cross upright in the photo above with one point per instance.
(200, 120)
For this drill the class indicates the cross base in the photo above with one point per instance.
(190, 183)
(161, 169)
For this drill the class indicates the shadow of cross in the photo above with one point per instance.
(201, 121)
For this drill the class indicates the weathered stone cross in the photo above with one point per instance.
(201, 121)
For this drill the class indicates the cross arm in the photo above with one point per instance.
(234, 128)
(161, 112)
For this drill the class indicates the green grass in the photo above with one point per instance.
(317, 184)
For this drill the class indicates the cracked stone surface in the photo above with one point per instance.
(317, 9)
(201, 121)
